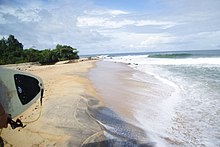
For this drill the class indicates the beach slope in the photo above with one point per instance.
(64, 120)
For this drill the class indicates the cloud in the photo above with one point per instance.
(105, 12)
(94, 29)
(202, 40)
(155, 39)
(102, 22)
(135, 42)
(111, 22)
(117, 12)
(161, 24)
(26, 15)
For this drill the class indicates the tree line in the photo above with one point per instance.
(12, 52)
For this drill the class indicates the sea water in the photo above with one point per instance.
(190, 114)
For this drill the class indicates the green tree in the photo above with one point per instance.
(31, 55)
(65, 52)
(3, 47)
(11, 51)
(13, 44)
(47, 56)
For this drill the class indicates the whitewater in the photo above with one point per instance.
(190, 114)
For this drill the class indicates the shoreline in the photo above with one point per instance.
(64, 120)
(131, 97)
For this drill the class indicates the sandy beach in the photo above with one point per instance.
(88, 103)
(64, 120)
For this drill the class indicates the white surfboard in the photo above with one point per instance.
(18, 90)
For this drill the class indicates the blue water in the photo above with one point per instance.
(190, 114)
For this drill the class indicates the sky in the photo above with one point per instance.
(113, 26)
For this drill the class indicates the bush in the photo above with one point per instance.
(11, 51)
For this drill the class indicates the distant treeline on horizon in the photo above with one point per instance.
(12, 52)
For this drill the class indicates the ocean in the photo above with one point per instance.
(173, 96)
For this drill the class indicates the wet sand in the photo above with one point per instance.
(64, 120)
(129, 97)
(112, 90)
(120, 89)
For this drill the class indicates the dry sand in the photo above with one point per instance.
(64, 120)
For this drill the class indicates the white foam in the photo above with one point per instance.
(154, 117)
(187, 61)
(143, 59)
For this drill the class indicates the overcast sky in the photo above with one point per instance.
(106, 26)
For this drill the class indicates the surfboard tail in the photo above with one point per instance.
(19, 90)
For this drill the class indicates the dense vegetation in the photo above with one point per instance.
(11, 51)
